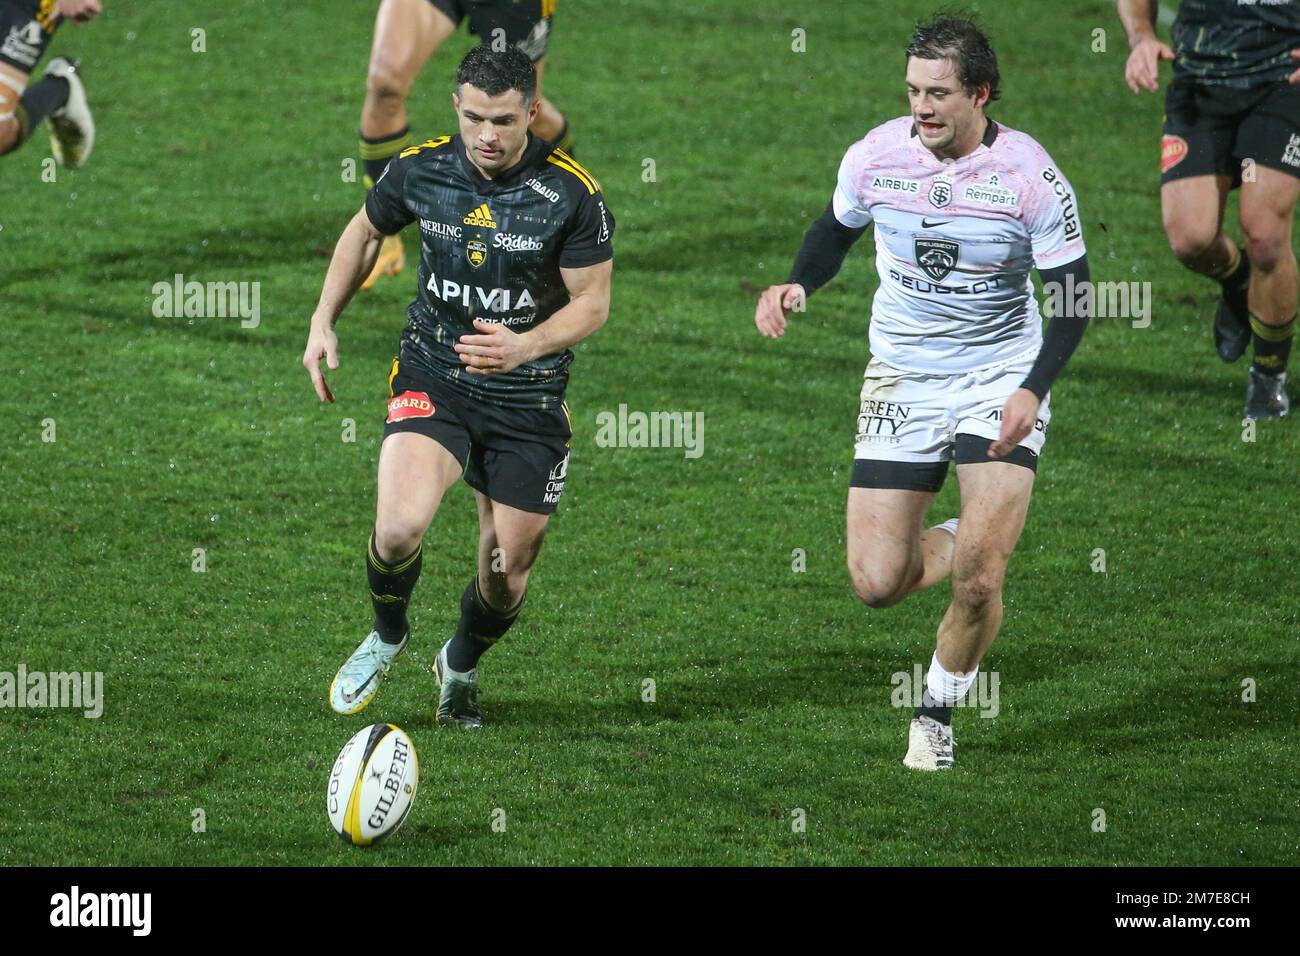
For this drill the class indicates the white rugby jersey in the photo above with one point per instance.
(955, 243)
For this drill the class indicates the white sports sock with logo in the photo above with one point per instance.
(947, 688)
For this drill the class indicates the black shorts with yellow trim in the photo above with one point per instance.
(26, 28)
(930, 475)
(523, 23)
(1212, 130)
(516, 456)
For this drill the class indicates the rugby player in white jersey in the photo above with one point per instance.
(964, 208)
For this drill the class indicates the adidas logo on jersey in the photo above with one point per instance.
(482, 216)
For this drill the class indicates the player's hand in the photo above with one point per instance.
(1019, 415)
(78, 11)
(1294, 78)
(776, 302)
(321, 342)
(1142, 71)
(495, 350)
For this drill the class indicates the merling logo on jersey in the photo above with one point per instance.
(431, 227)
(482, 216)
(476, 252)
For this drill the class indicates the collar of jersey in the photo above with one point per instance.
(536, 146)
(990, 135)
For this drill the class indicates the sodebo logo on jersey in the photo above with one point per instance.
(1053, 178)
(494, 300)
(513, 243)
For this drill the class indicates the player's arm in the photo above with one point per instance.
(1142, 71)
(78, 11)
(1064, 333)
(384, 214)
(820, 257)
(497, 349)
(354, 256)
(825, 244)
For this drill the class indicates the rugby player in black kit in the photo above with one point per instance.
(1232, 118)
(515, 267)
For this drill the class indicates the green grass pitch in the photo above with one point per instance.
(1120, 691)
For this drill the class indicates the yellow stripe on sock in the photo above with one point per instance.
(1232, 268)
(1272, 333)
(384, 149)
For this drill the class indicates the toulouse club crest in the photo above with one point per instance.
(940, 193)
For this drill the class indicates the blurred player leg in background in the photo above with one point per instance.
(1267, 208)
(26, 28)
(1192, 210)
(407, 32)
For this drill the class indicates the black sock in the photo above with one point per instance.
(481, 626)
(565, 140)
(38, 101)
(1237, 276)
(1272, 345)
(376, 152)
(390, 591)
(932, 708)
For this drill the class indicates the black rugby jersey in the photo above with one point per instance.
(1240, 43)
(491, 249)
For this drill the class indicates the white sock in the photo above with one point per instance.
(950, 526)
(947, 688)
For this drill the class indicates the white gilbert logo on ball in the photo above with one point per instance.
(373, 784)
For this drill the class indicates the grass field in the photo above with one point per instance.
(1119, 690)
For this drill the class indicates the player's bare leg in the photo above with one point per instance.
(994, 502)
(407, 32)
(59, 96)
(414, 473)
(550, 123)
(1192, 210)
(509, 542)
(12, 83)
(1267, 208)
(889, 555)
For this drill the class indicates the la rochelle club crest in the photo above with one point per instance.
(476, 252)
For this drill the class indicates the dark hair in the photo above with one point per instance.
(497, 71)
(956, 37)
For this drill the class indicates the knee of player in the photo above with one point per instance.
(396, 539)
(385, 83)
(1188, 243)
(876, 589)
(977, 587)
(1266, 242)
